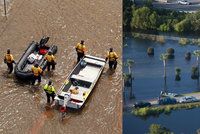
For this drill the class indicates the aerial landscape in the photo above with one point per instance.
(100, 67)
(161, 66)
(24, 106)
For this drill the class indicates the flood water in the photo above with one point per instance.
(148, 83)
(23, 107)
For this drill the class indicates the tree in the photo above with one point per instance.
(195, 21)
(177, 73)
(158, 129)
(197, 54)
(128, 8)
(182, 26)
(140, 19)
(164, 27)
(128, 78)
(153, 18)
(164, 57)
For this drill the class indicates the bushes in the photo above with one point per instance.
(166, 109)
(146, 18)
(195, 72)
(158, 129)
(177, 74)
(188, 56)
(150, 51)
(183, 41)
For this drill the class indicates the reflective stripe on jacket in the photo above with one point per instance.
(36, 71)
(112, 56)
(49, 89)
(50, 58)
(80, 48)
(9, 58)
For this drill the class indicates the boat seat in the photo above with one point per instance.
(81, 77)
(94, 62)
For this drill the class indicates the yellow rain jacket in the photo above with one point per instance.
(49, 89)
(50, 58)
(36, 71)
(9, 58)
(80, 48)
(112, 56)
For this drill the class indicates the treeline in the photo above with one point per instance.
(147, 18)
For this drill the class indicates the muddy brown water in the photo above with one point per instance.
(23, 107)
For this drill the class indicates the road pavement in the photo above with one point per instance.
(173, 5)
(195, 94)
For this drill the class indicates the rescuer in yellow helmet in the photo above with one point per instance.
(37, 72)
(112, 59)
(9, 60)
(50, 91)
(50, 61)
(80, 49)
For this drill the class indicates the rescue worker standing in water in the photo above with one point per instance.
(80, 49)
(37, 71)
(50, 61)
(50, 91)
(9, 60)
(112, 59)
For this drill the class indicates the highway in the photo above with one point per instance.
(173, 5)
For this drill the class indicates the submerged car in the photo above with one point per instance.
(163, 94)
(166, 101)
(183, 2)
(141, 104)
(186, 99)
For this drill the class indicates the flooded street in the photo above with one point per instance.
(22, 108)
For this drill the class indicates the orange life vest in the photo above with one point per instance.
(50, 58)
(112, 56)
(9, 58)
(80, 48)
(36, 71)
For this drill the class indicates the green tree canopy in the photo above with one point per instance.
(183, 26)
(141, 19)
(158, 129)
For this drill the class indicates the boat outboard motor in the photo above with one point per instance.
(67, 97)
(43, 41)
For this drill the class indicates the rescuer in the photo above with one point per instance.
(50, 91)
(112, 59)
(80, 49)
(9, 60)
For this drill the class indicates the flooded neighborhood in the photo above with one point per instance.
(23, 106)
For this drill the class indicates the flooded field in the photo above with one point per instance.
(22, 108)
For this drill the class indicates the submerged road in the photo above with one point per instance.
(22, 106)
(195, 94)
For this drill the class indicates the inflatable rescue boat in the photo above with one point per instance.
(35, 53)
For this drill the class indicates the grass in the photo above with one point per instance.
(152, 37)
(166, 109)
(183, 41)
(161, 39)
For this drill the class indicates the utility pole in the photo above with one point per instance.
(5, 7)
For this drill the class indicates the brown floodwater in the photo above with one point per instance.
(22, 106)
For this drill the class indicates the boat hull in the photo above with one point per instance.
(94, 69)
(27, 75)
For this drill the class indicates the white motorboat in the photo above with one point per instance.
(83, 78)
